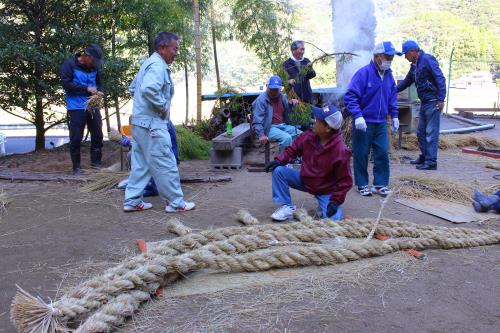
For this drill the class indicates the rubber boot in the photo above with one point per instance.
(486, 201)
(95, 157)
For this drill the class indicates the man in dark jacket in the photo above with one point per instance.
(431, 90)
(81, 78)
(325, 171)
(371, 96)
(300, 71)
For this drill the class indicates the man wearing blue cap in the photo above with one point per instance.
(271, 115)
(431, 90)
(370, 97)
(325, 171)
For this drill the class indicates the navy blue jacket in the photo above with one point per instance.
(302, 85)
(428, 78)
(75, 78)
(370, 96)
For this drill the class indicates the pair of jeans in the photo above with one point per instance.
(428, 131)
(152, 156)
(77, 121)
(284, 178)
(377, 139)
(283, 134)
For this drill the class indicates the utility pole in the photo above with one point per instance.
(197, 49)
(449, 79)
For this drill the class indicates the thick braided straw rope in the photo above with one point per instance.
(104, 302)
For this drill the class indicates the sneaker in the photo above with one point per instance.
(381, 190)
(283, 213)
(136, 208)
(187, 206)
(365, 191)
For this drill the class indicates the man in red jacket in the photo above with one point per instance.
(325, 171)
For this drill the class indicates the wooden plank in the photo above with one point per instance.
(224, 142)
(450, 211)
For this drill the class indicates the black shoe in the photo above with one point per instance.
(77, 172)
(419, 160)
(427, 166)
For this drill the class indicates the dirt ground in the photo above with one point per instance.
(53, 236)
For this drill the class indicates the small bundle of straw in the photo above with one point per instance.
(246, 218)
(177, 227)
(94, 102)
(493, 166)
(114, 135)
(102, 181)
(419, 186)
(4, 201)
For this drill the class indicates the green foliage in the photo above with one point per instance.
(263, 26)
(191, 145)
(301, 115)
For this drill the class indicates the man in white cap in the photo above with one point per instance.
(325, 171)
(371, 96)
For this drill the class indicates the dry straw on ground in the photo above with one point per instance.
(421, 186)
(102, 181)
(246, 218)
(4, 201)
(450, 141)
(102, 303)
(494, 166)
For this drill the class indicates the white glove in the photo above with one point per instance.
(395, 124)
(360, 124)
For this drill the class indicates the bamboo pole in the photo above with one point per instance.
(197, 48)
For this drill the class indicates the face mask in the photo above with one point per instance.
(385, 65)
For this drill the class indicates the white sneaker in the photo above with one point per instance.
(187, 206)
(139, 207)
(283, 213)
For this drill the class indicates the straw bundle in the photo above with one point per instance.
(94, 102)
(420, 186)
(450, 141)
(246, 218)
(177, 227)
(494, 166)
(114, 135)
(102, 181)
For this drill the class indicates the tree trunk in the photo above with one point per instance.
(106, 114)
(197, 49)
(214, 43)
(186, 77)
(113, 55)
(40, 126)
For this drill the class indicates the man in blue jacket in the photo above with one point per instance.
(431, 90)
(370, 97)
(300, 71)
(81, 78)
(271, 115)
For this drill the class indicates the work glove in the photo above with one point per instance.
(331, 209)
(395, 124)
(360, 124)
(125, 141)
(272, 165)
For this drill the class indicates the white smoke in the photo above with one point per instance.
(354, 26)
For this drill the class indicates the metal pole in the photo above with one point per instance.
(449, 80)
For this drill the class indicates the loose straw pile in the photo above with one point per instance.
(421, 186)
(450, 141)
(246, 218)
(104, 302)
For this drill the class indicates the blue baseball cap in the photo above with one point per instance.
(386, 48)
(330, 114)
(410, 45)
(274, 82)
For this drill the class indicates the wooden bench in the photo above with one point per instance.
(227, 151)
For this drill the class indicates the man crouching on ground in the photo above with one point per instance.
(152, 154)
(325, 170)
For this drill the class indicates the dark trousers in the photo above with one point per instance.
(77, 121)
(428, 131)
(375, 137)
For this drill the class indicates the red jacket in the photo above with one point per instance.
(325, 169)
